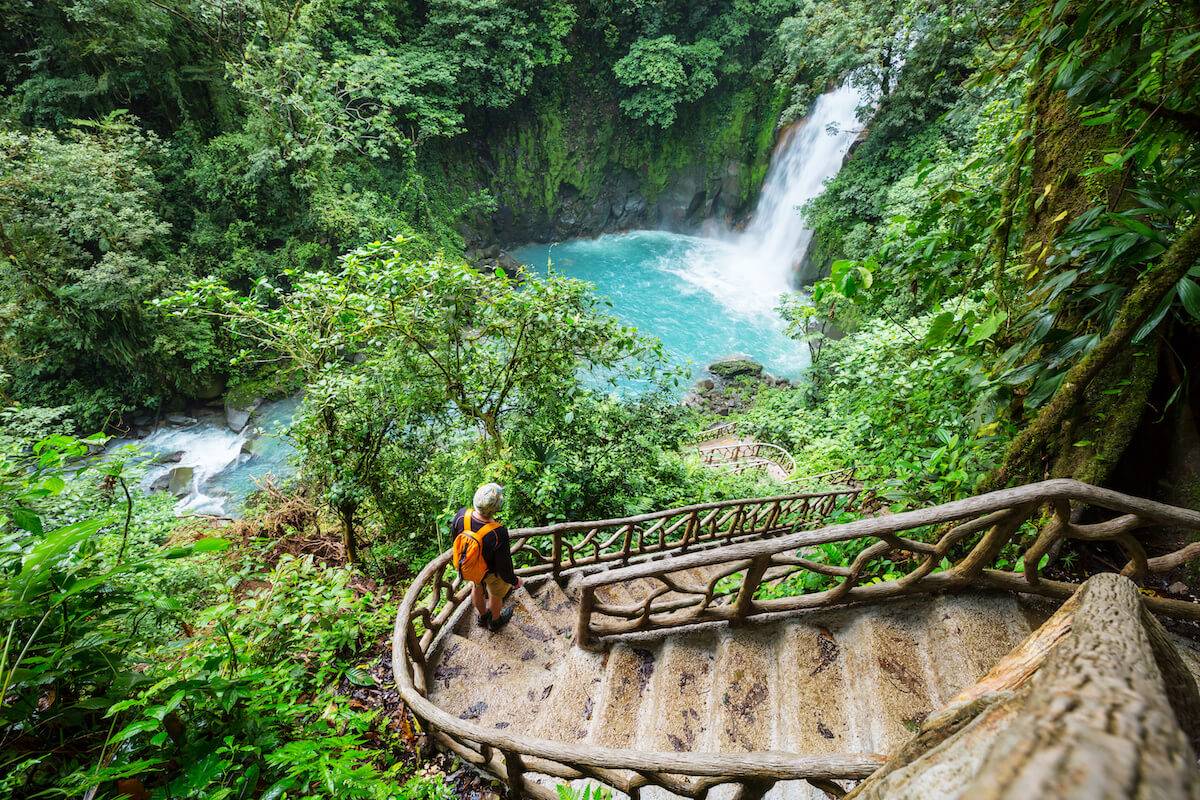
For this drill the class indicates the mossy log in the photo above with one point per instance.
(1100, 720)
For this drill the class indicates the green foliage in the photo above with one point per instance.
(76, 596)
(250, 704)
(595, 457)
(895, 396)
(588, 792)
(84, 247)
(660, 74)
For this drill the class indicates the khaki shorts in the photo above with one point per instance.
(496, 586)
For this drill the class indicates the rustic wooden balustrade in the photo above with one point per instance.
(569, 546)
(998, 516)
(727, 429)
(748, 455)
(715, 534)
(846, 476)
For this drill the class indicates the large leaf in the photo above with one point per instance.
(1189, 295)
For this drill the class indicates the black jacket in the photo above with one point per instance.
(495, 546)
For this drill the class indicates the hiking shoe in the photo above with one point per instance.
(500, 621)
(483, 619)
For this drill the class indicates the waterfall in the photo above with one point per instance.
(748, 271)
(808, 154)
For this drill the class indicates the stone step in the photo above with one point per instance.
(528, 636)
(556, 606)
(744, 698)
(488, 688)
(462, 663)
(568, 713)
(890, 675)
(614, 594)
(814, 688)
(677, 712)
(968, 634)
(627, 675)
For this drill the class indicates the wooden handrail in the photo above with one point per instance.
(734, 455)
(1000, 513)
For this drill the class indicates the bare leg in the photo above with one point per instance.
(477, 598)
(495, 604)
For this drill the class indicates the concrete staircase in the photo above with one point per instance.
(843, 680)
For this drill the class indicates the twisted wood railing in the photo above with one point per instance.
(858, 475)
(743, 567)
(719, 431)
(436, 594)
(570, 546)
(748, 455)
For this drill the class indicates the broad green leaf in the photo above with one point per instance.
(28, 520)
(359, 677)
(1189, 295)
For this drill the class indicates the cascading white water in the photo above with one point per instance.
(710, 297)
(751, 269)
(808, 154)
(207, 466)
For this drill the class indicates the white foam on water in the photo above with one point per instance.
(748, 271)
(222, 474)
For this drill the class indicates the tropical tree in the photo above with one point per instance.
(428, 342)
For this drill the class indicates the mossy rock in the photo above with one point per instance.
(736, 368)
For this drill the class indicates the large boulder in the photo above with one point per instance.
(736, 368)
(237, 415)
(211, 388)
(179, 480)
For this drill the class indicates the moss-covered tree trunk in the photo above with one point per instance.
(1089, 423)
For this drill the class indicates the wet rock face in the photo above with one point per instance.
(619, 203)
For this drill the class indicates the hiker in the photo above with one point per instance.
(481, 556)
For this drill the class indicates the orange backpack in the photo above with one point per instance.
(468, 550)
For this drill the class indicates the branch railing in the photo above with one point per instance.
(714, 534)
(570, 546)
(743, 569)
(748, 455)
(857, 475)
(719, 431)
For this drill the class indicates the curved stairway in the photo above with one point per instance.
(847, 680)
(713, 685)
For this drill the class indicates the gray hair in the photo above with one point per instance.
(489, 499)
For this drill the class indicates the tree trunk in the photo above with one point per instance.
(346, 515)
(1035, 443)
(1099, 721)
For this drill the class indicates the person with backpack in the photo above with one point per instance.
(481, 555)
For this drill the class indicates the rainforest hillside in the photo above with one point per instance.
(212, 202)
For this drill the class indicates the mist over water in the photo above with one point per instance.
(709, 297)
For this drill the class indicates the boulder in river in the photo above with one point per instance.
(736, 368)
(238, 416)
(181, 420)
(179, 480)
(211, 388)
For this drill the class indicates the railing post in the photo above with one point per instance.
(416, 659)
(754, 789)
(745, 598)
(516, 771)
(587, 599)
(556, 557)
